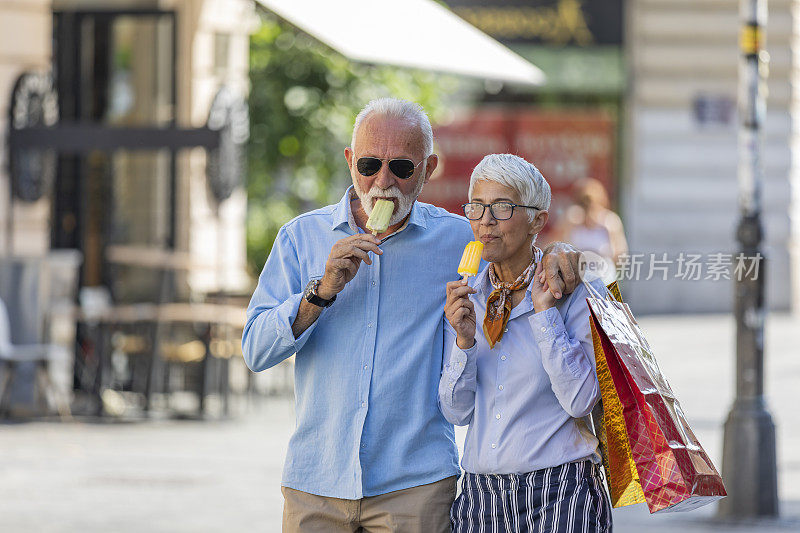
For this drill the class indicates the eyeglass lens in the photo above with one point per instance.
(499, 210)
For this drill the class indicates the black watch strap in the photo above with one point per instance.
(310, 295)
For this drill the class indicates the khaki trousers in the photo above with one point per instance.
(422, 509)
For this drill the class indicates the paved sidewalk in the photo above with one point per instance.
(188, 476)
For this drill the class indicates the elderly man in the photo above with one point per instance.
(364, 314)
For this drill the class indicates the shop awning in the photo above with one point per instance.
(409, 33)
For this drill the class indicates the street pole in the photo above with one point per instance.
(749, 461)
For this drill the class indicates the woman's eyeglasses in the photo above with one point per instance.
(499, 210)
(402, 168)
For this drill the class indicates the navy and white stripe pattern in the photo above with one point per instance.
(563, 499)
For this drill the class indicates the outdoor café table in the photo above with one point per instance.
(157, 316)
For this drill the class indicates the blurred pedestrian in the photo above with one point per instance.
(371, 451)
(589, 225)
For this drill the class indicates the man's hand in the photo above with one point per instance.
(343, 262)
(560, 268)
(460, 312)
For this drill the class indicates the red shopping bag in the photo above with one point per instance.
(675, 472)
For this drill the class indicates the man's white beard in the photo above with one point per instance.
(404, 202)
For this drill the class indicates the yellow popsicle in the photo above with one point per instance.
(471, 259)
(378, 221)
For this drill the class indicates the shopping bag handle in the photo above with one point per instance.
(593, 292)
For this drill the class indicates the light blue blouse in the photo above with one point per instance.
(527, 399)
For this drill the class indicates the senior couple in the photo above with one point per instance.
(392, 350)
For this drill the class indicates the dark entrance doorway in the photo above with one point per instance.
(116, 70)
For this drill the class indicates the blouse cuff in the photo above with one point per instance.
(547, 325)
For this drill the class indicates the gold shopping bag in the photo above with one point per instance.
(622, 478)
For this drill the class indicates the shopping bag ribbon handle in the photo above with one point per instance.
(593, 292)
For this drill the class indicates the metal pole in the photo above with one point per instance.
(10, 219)
(749, 463)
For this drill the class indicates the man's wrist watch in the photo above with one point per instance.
(310, 295)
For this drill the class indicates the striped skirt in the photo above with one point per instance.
(564, 499)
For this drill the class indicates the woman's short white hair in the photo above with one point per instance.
(514, 172)
(396, 108)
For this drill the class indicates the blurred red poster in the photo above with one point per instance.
(565, 145)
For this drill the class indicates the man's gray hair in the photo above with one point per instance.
(514, 172)
(403, 109)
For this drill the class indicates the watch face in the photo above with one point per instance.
(311, 289)
(311, 296)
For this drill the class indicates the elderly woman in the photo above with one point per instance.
(526, 381)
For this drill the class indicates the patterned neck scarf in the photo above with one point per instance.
(498, 306)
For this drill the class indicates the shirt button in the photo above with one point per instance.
(503, 357)
(370, 325)
(373, 283)
(363, 404)
(500, 387)
(366, 367)
(544, 329)
(497, 416)
(494, 445)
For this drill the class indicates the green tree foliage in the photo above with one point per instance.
(303, 101)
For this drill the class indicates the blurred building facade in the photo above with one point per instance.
(681, 151)
(130, 64)
(132, 196)
(664, 72)
(661, 82)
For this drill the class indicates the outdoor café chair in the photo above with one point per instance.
(41, 355)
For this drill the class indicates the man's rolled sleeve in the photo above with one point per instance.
(268, 339)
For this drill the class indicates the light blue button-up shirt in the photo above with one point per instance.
(526, 400)
(367, 370)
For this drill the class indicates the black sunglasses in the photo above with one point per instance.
(402, 168)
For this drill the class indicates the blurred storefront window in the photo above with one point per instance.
(569, 127)
(566, 146)
(116, 70)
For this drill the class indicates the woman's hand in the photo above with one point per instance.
(460, 312)
(541, 296)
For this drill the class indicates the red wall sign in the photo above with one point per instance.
(565, 146)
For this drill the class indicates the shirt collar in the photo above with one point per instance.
(481, 282)
(417, 217)
(484, 287)
(343, 214)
